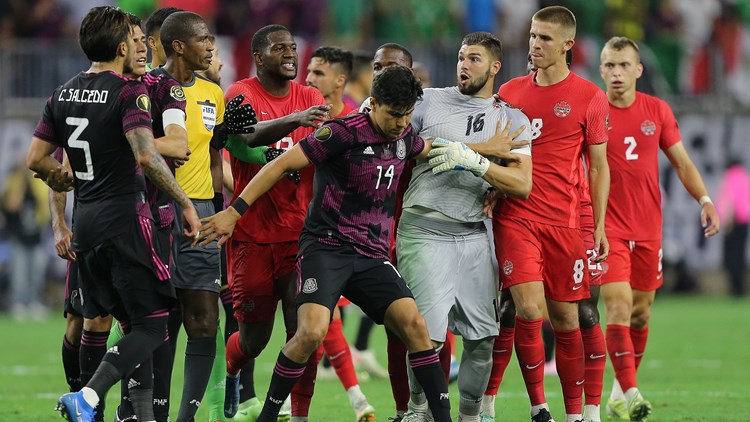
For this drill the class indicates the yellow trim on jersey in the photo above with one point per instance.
(204, 109)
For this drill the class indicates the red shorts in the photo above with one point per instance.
(638, 262)
(252, 269)
(530, 251)
(594, 268)
(343, 301)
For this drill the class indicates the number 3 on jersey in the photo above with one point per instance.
(80, 125)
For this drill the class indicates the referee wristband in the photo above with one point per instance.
(705, 199)
(240, 206)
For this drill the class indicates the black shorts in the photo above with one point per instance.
(73, 305)
(324, 273)
(127, 276)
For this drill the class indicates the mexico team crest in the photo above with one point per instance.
(208, 113)
(562, 109)
(310, 286)
(400, 149)
(648, 127)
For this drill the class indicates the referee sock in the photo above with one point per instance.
(71, 364)
(199, 358)
(501, 354)
(285, 375)
(427, 371)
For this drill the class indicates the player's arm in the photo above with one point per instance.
(222, 224)
(599, 186)
(217, 178)
(174, 143)
(270, 131)
(61, 232)
(141, 141)
(693, 182)
(40, 160)
(228, 179)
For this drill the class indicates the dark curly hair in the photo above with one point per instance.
(397, 87)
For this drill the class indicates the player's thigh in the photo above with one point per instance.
(73, 305)
(594, 268)
(617, 267)
(519, 251)
(646, 267)
(324, 271)
(250, 268)
(375, 285)
(565, 264)
(474, 315)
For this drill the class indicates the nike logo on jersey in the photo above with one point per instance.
(535, 366)
(619, 354)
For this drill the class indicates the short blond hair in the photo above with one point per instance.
(620, 43)
(558, 15)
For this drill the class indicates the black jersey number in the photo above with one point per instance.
(80, 124)
(474, 123)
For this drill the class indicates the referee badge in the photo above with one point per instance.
(310, 286)
(208, 113)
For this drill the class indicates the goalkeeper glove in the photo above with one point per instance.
(447, 155)
(272, 153)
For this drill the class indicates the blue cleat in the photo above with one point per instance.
(74, 408)
(232, 396)
(453, 374)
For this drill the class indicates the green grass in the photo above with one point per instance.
(696, 368)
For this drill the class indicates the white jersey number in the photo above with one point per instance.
(388, 173)
(578, 268)
(73, 142)
(536, 128)
(285, 143)
(629, 154)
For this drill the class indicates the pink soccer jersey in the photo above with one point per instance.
(637, 132)
(564, 117)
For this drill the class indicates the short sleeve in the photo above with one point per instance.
(670, 133)
(518, 119)
(328, 141)
(417, 119)
(597, 119)
(135, 106)
(220, 105)
(45, 128)
(171, 95)
(417, 145)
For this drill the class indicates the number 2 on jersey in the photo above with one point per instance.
(629, 154)
(80, 125)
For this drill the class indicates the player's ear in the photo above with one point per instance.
(151, 42)
(122, 49)
(178, 46)
(495, 67)
(258, 59)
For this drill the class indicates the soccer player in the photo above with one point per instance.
(260, 257)
(640, 126)
(328, 72)
(344, 243)
(153, 30)
(103, 121)
(442, 243)
(540, 250)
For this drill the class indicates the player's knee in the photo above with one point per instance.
(310, 337)
(200, 326)
(588, 314)
(618, 312)
(507, 313)
(641, 315)
(529, 311)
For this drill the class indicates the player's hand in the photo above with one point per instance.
(709, 219)
(63, 240)
(239, 118)
(491, 199)
(217, 227)
(272, 154)
(503, 142)
(190, 222)
(313, 116)
(58, 179)
(601, 245)
(446, 155)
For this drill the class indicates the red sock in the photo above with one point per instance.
(595, 350)
(337, 350)
(397, 371)
(620, 349)
(530, 351)
(450, 338)
(236, 358)
(445, 357)
(570, 368)
(639, 336)
(303, 390)
(501, 353)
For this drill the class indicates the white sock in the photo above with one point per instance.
(538, 407)
(631, 394)
(355, 395)
(464, 418)
(573, 417)
(298, 419)
(488, 405)
(617, 393)
(90, 396)
(418, 399)
(592, 412)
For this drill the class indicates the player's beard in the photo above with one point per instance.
(476, 85)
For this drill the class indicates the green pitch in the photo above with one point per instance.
(696, 368)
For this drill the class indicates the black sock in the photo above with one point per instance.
(125, 408)
(285, 375)
(426, 367)
(163, 362)
(199, 358)
(141, 388)
(363, 334)
(173, 327)
(92, 350)
(71, 364)
(247, 383)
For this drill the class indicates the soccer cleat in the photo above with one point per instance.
(285, 414)
(453, 373)
(484, 417)
(617, 410)
(542, 416)
(74, 408)
(248, 411)
(364, 411)
(232, 396)
(397, 418)
(119, 418)
(417, 413)
(639, 409)
(364, 360)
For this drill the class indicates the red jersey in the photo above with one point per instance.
(564, 117)
(348, 108)
(278, 215)
(637, 132)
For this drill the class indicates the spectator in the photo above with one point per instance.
(733, 205)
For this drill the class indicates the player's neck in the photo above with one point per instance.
(277, 87)
(116, 66)
(337, 103)
(179, 70)
(622, 100)
(552, 74)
